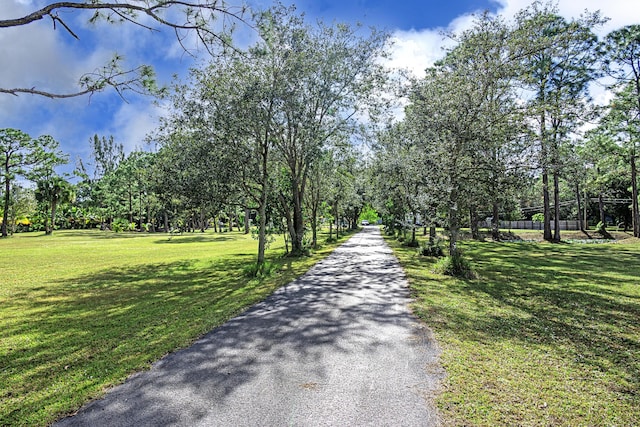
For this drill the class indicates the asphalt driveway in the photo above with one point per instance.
(337, 347)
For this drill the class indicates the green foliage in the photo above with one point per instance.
(119, 225)
(26, 157)
(454, 265)
(538, 217)
(431, 248)
(412, 243)
(369, 214)
(260, 271)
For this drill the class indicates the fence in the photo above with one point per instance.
(536, 225)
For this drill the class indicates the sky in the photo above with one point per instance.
(37, 55)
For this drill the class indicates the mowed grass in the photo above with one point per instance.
(547, 335)
(81, 310)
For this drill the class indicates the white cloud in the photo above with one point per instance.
(620, 12)
(417, 49)
(133, 122)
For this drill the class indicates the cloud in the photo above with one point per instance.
(133, 122)
(417, 49)
(620, 12)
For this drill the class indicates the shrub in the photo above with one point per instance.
(456, 266)
(119, 225)
(432, 248)
(263, 270)
(412, 243)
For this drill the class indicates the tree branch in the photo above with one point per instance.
(198, 15)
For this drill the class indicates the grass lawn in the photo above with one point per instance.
(81, 310)
(547, 335)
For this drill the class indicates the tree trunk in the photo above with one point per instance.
(54, 208)
(247, 214)
(314, 226)
(165, 217)
(603, 217)
(298, 219)
(454, 226)
(634, 198)
(5, 214)
(130, 207)
(47, 218)
(473, 222)
(586, 216)
(413, 229)
(495, 222)
(432, 234)
(141, 207)
(580, 223)
(556, 206)
(262, 228)
(546, 209)
(337, 228)
(545, 172)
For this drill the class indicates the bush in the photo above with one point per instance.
(412, 243)
(456, 266)
(263, 270)
(432, 248)
(119, 225)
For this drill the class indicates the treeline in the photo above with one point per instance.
(505, 122)
(264, 135)
(272, 136)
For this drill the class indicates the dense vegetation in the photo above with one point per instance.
(271, 137)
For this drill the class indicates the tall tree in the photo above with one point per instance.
(622, 60)
(330, 74)
(52, 191)
(20, 155)
(561, 63)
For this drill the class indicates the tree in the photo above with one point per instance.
(20, 156)
(461, 114)
(209, 20)
(562, 61)
(622, 61)
(53, 191)
(224, 120)
(618, 136)
(329, 75)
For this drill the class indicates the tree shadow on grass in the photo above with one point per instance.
(194, 238)
(341, 307)
(583, 301)
(97, 328)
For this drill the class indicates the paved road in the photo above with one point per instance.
(337, 347)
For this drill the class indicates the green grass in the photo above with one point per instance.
(546, 335)
(81, 310)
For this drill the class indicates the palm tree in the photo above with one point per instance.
(53, 191)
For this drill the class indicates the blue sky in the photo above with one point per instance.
(36, 55)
